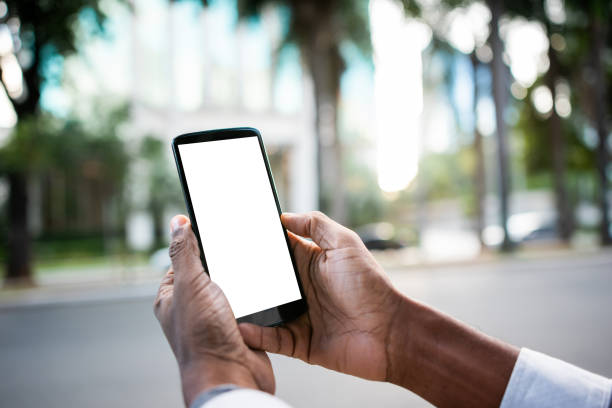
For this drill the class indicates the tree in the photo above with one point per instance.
(437, 20)
(479, 170)
(582, 38)
(565, 218)
(163, 188)
(588, 41)
(500, 96)
(45, 31)
(556, 135)
(499, 73)
(319, 28)
(599, 16)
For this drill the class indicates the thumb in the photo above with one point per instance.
(273, 339)
(184, 253)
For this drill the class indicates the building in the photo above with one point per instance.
(195, 69)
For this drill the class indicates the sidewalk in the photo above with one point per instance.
(412, 258)
(114, 282)
(109, 282)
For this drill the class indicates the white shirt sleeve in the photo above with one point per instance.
(542, 381)
(239, 397)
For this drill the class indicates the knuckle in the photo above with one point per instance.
(157, 305)
(317, 215)
(168, 279)
(177, 247)
(164, 292)
(353, 236)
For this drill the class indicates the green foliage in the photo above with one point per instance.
(31, 145)
(164, 187)
(534, 131)
(43, 142)
(363, 197)
(69, 246)
(84, 157)
(349, 19)
(52, 22)
(446, 174)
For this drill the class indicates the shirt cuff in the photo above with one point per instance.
(207, 395)
(538, 380)
(230, 396)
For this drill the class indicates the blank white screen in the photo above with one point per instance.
(245, 248)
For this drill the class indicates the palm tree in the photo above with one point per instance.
(500, 96)
(599, 13)
(556, 134)
(479, 171)
(585, 26)
(318, 28)
(559, 157)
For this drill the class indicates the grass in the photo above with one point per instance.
(54, 265)
(72, 253)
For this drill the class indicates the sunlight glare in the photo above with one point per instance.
(468, 27)
(542, 99)
(6, 40)
(526, 45)
(8, 117)
(555, 11)
(563, 105)
(398, 92)
(12, 75)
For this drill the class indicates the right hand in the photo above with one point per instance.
(351, 302)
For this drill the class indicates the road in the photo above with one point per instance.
(111, 352)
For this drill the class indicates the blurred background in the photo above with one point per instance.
(467, 142)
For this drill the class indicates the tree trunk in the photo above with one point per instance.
(598, 36)
(329, 152)
(498, 72)
(322, 56)
(18, 271)
(479, 173)
(557, 141)
(18, 268)
(159, 231)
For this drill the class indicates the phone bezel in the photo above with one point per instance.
(270, 317)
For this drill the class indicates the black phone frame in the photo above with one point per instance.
(274, 316)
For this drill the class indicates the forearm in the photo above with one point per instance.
(445, 361)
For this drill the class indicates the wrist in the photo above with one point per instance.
(401, 341)
(203, 375)
(444, 360)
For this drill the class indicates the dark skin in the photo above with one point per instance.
(200, 326)
(357, 323)
(338, 326)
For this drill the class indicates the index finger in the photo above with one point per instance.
(324, 231)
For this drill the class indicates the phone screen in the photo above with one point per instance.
(235, 210)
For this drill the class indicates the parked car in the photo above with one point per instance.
(379, 236)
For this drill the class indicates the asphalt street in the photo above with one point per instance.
(110, 351)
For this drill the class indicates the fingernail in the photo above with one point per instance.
(177, 222)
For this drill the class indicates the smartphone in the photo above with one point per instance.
(235, 215)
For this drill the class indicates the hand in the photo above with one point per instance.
(200, 326)
(351, 302)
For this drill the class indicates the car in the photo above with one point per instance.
(524, 227)
(379, 236)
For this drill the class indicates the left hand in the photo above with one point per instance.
(200, 326)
